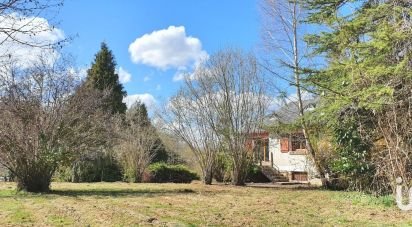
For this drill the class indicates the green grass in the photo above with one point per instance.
(122, 204)
(367, 200)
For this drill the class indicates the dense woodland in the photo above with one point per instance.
(353, 56)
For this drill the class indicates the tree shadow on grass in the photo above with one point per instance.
(120, 192)
(285, 187)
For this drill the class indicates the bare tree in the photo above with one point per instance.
(20, 21)
(190, 118)
(26, 26)
(43, 124)
(393, 151)
(240, 104)
(137, 145)
(283, 33)
(218, 108)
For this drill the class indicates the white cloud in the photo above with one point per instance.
(184, 74)
(274, 103)
(81, 73)
(167, 48)
(36, 31)
(146, 78)
(293, 97)
(197, 71)
(124, 76)
(146, 98)
(179, 76)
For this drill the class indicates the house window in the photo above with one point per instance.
(298, 141)
(294, 142)
(284, 145)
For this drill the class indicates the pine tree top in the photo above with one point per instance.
(102, 76)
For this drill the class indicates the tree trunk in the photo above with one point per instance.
(239, 175)
(75, 173)
(208, 179)
(208, 176)
(308, 142)
(296, 72)
(39, 182)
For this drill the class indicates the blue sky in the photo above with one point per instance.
(212, 24)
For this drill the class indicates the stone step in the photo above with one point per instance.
(273, 174)
(291, 183)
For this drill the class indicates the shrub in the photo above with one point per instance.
(354, 163)
(255, 175)
(338, 184)
(163, 173)
(90, 169)
(63, 174)
(223, 168)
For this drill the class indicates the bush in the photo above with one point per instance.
(101, 169)
(255, 175)
(163, 173)
(354, 164)
(223, 168)
(338, 184)
(63, 174)
(90, 169)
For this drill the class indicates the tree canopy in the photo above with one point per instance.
(366, 85)
(102, 76)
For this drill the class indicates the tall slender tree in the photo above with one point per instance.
(102, 76)
(283, 35)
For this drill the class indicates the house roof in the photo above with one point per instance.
(289, 112)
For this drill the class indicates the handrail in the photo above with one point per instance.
(275, 167)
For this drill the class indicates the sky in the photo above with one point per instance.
(156, 41)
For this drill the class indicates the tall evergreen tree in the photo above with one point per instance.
(102, 76)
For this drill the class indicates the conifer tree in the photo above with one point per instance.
(138, 114)
(366, 86)
(102, 76)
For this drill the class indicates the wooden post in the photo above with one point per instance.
(264, 152)
(271, 159)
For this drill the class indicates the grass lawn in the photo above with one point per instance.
(122, 204)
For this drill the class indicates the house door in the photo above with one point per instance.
(261, 151)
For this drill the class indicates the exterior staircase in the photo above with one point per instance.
(273, 174)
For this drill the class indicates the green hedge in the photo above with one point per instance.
(163, 173)
(102, 168)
